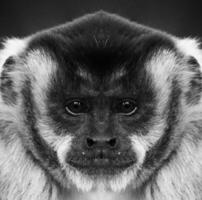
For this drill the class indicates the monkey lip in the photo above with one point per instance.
(104, 166)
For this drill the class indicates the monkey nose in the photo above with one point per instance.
(102, 142)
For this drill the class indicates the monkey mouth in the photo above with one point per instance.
(102, 166)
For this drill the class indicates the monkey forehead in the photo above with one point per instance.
(101, 49)
(126, 78)
(100, 41)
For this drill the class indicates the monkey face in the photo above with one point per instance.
(101, 106)
(98, 116)
(101, 114)
(100, 103)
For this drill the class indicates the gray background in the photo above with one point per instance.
(23, 17)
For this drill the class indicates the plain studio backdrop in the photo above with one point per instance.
(23, 17)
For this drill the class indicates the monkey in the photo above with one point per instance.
(101, 107)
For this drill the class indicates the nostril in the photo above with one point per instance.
(90, 142)
(108, 143)
(112, 142)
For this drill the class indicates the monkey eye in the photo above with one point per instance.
(76, 107)
(125, 106)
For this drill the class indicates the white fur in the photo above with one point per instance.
(12, 47)
(162, 66)
(121, 181)
(190, 47)
(142, 143)
(21, 179)
(40, 67)
(181, 178)
(60, 143)
(81, 181)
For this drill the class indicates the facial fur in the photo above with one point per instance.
(100, 104)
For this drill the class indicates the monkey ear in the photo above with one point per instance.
(11, 49)
(190, 48)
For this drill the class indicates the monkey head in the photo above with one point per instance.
(99, 101)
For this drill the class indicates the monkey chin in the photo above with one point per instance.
(113, 183)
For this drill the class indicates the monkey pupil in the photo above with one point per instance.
(127, 106)
(76, 106)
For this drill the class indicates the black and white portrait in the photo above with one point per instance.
(100, 101)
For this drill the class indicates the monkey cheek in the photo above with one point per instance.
(139, 147)
(62, 147)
